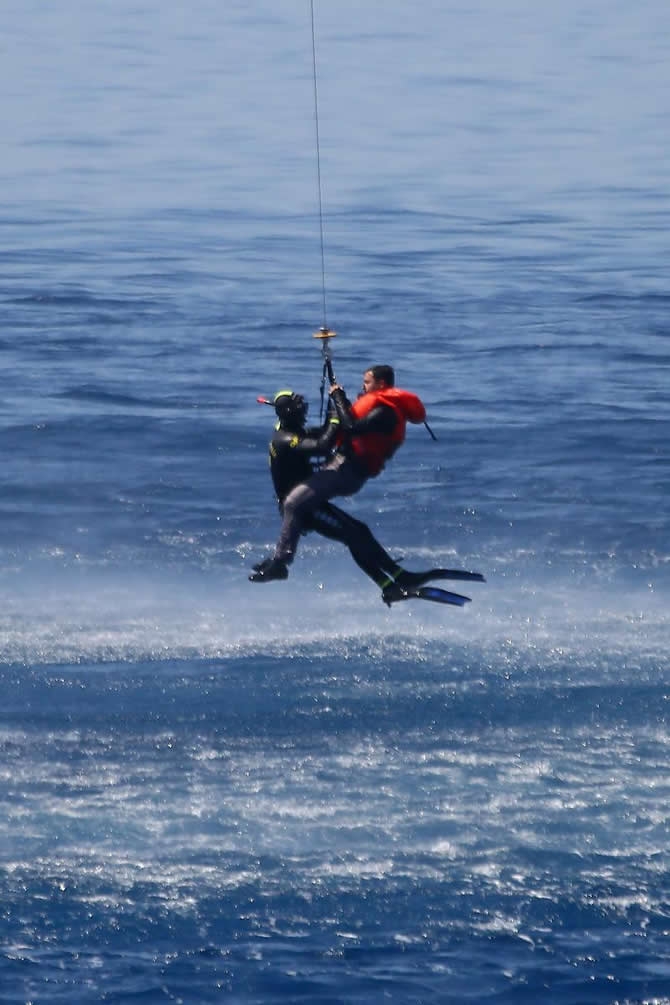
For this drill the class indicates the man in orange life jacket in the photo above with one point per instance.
(373, 428)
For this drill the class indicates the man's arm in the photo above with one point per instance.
(316, 442)
(382, 418)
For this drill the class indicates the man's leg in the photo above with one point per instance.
(338, 478)
(332, 522)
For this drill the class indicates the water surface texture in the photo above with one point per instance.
(214, 791)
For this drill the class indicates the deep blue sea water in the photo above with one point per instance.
(213, 791)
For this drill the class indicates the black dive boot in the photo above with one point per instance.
(271, 568)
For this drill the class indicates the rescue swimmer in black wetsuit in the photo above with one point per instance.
(293, 449)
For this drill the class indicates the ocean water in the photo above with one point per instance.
(214, 791)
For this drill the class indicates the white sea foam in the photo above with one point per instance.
(108, 615)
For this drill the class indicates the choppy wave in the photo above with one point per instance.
(319, 822)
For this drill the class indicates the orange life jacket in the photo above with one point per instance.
(373, 450)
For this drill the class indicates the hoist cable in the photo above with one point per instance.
(318, 168)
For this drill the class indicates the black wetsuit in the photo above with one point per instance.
(341, 475)
(291, 463)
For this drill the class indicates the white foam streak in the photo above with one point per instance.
(105, 616)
